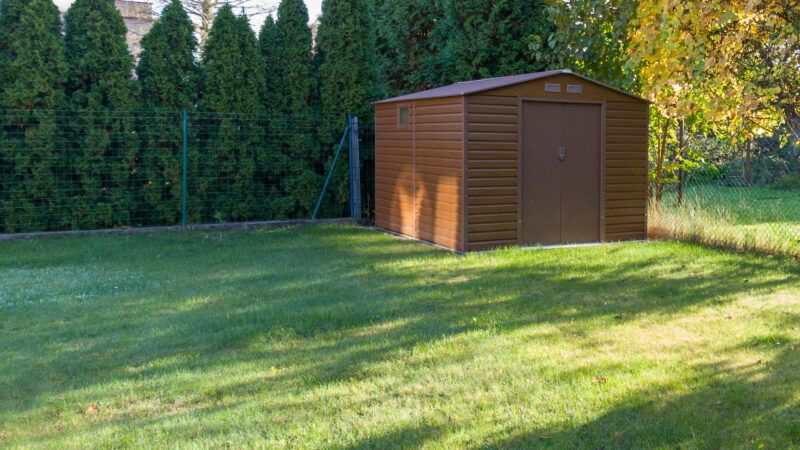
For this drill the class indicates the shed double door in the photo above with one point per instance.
(560, 173)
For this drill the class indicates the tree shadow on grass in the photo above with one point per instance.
(328, 302)
(750, 406)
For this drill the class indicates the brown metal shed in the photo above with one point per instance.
(541, 158)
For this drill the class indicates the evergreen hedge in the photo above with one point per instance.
(233, 89)
(35, 191)
(100, 87)
(168, 77)
(265, 114)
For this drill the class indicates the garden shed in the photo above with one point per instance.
(542, 158)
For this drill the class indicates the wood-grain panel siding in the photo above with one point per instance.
(394, 172)
(451, 176)
(591, 91)
(626, 170)
(439, 171)
(492, 171)
(419, 171)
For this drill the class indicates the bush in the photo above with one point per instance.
(788, 182)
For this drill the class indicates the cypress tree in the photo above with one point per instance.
(272, 162)
(35, 73)
(233, 78)
(10, 14)
(348, 77)
(410, 39)
(168, 80)
(268, 44)
(10, 11)
(100, 87)
(295, 89)
(489, 38)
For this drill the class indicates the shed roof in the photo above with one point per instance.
(476, 86)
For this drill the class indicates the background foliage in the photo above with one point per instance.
(723, 75)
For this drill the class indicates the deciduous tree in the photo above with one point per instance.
(688, 57)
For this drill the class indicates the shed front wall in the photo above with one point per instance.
(493, 169)
(419, 170)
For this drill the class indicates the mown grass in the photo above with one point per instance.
(339, 337)
(741, 217)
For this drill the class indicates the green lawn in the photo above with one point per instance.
(759, 218)
(339, 337)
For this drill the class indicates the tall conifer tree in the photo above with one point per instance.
(35, 72)
(295, 91)
(10, 11)
(268, 45)
(347, 74)
(410, 39)
(10, 14)
(233, 78)
(489, 38)
(168, 79)
(99, 85)
(272, 161)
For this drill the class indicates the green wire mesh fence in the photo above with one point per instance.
(83, 170)
(746, 203)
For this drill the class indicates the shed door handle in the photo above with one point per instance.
(562, 155)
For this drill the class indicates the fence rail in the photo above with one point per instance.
(82, 170)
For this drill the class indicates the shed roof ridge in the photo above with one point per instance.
(462, 88)
(521, 75)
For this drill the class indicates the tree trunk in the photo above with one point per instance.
(206, 19)
(682, 155)
(661, 155)
(747, 155)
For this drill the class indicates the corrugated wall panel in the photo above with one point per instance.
(439, 171)
(492, 171)
(626, 170)
(420, 171)
(394, 172)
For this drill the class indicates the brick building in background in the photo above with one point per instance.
(138, 16)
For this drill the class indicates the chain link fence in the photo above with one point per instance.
(84, 170)
(749, 201)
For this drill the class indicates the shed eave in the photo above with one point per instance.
(495, 83)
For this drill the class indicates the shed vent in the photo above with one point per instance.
(552, 87)
(574, 89)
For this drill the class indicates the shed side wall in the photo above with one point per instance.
(439, 171)
(394, 172)
(419, 171)
(626, 170)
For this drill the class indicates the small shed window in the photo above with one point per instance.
(403, 117)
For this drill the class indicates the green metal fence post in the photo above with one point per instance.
(185, 163)
(355, 168)
(330, 173)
